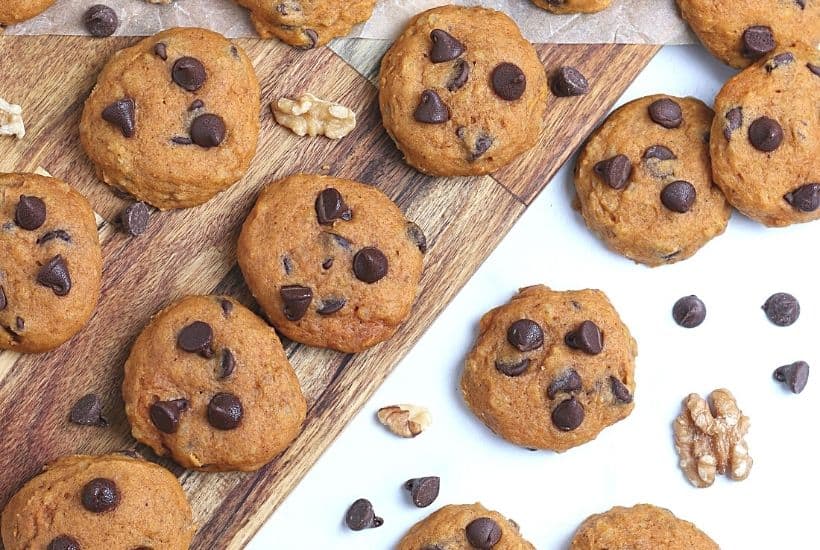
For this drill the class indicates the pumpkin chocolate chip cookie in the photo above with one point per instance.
(333, 262)
(766, 138)
(174, 119)
(14, 11)
(644, 184)
(208, 383)
(572, 6)
(550, 370)
(459, 100)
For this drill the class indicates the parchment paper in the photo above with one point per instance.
(625, 21)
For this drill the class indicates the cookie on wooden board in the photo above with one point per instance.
(572, 6)
(14, 11)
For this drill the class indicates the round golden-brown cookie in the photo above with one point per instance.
(174, 119)
(108, 501)
(572, 6)
(208, 383)
(333, 262)
(14, 11)
(550, 370)
(742, 31)
(766, 138)
(459, 100)
(50, 262)
(464, 527)
(644, 184)
(306, 24)
(642, 527)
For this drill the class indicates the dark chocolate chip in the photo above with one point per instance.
(55, 276)
(330, 305)
(757, 41)
(227, 307)
(805, 198)
(525, 335)
(614, 171)
(327, 264)
(60, 234)
(360, 516)
(431, 109)
(445, 47)
(679, 196)
(370, 264)
(296, 301)
(459, 76)
(416, 235)
(423, 490)
(196, 104)
(567, 382)
(782, 309)
(134, 218)
(330, 206)
(339, 240)
(568, 415)
(121, 114)
(208, 130)
(689, 311)
(101, 20)
(88, 412)
(794, 376)
(666, 112)
(225, 411)
(586, 337)
(659, 152)
(509, 81)
(287, 264)
(63, 542)
(30, 213)
(779, 60)
(161, 50)
(227, 365)
(514, 368)
(481, 146)
(189, 73)
(483, 533)
(313, 39)
(568, 82)
(3, 300)
(765, 134)
(814, 68)
(182, 140)
(165, 415)
(734, 120)
(196, 338)
(619, 390)
(20, 324)
(100, 495)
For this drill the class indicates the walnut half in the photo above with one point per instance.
(709, 439)
(405, 420)
(310, 115)
(11, 120)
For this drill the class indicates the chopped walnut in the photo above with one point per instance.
(405, 420)
(11, 120)
(709, 439)
(309, 115)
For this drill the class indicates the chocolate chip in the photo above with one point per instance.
(55, 276)
(60, 234)
(182, 140)
(327, 264)
(360, 516)
(514, 368)
(423, 490)
(734, 120)
(431, 109)
(619, 390)
(567, 382)
(165, 414)
(30, 213)
(509, 81)
(814, 68)
(225, 411)
(779, 60)
(586, 337)
(370, 264)
(757, 41)
(121, 114)
(161, 50)
(568, 82)
(189, 73)
(460, 75)
(614, 171)
(196, 338)
(416, 235)
(88, 412)
(20, 324)
(445, 47)
(782, 309)
(794, 376)
(525, 335)
(801, 3)
(483, 533)
(689, 311)
(765, 134)
(666, 112)
(679, 196)
(482, 145)
(568, 415)
(287, 264)
(3, 301)
(805, 198)
(330, 305)
(330, 206)
(134, 218)
(63, 542)
(313, 39)
(196, 104)
(659, 152)
(227, 307)
(100, 495)
(208, 130)
(296, 301)
(227, 365)
(101, 21)
(339, 240)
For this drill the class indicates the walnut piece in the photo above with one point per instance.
(310, 115)
(405, 420)
(709, 439)
(11, 120)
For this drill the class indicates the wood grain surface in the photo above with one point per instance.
(193, 251)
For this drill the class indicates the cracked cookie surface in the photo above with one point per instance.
(572, 6)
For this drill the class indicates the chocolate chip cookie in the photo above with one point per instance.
(109, 501)
(739, 33)
(642, 527)
(174, 119)
(14, 11)
(306, 24)
(643, 181)
(333, 262)
(208, 383)
(50, 262)
(572, 6)
(766, 138)
(550, 370)
(459, 100)
(464, 527)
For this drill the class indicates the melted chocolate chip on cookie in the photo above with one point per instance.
(59, 234)
(196, 338)
(805, 198)
(30, 213)
(121, 114)
(431, 109)
(55, 276)
(512, 368)
(567, 382)
(568, 415)
(161, 50)
(459, 76)
(227, 365)
(330, 207)
(445, 46)
(765, 134)
(614, 171)
(208, 130)
(370, 265)
(296, 301)
(586, 337)
(483, 533)
(757, 41)
(225, 411)
(509, 81)
(619, 390)
(63, 542)
(189, 73)
(100, 495)
(734, 120)
(678, 196)
(165, 415)
(525, 335)
(666, 113)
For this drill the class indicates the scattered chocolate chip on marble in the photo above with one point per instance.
(586, 337)
(100, 495)
(370, 265)
(568, 415)
(483, 533)
(30, 213)
(689, 311)
(679, 196)
(568, 82)
(423, 490)
(196, 338)
(101, 21)
(805, 198)
(525, 335)
(782, 309)
(666, 113)
(87, 411)
(121, 114)
(225, 411)
(794, 376)
(165, 415)
(134, 218)
(361, 516)
(55, 275)
(189, 73)
(431, 109)
(509, 81)
(614, 171)
(757, 41)
(765, 134)
(296, 301)
(445, 47)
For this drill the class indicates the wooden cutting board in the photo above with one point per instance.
(193, 251)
